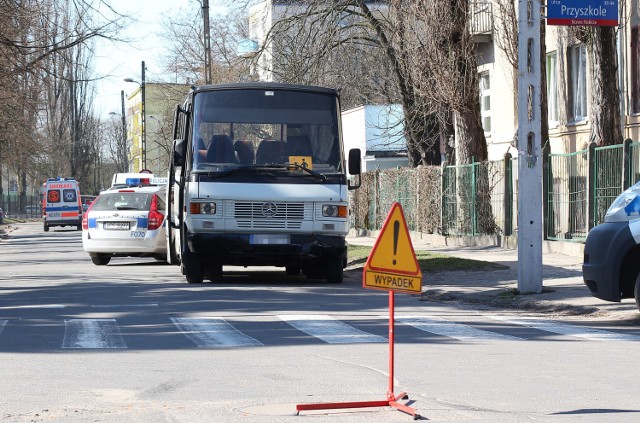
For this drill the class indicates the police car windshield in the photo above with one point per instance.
(122, 201)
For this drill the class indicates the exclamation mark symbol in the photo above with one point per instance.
(396, 232)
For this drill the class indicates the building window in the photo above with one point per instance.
(552, 87)
(485, 101)
(635, 70)
(577, 95)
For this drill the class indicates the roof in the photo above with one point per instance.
(264, 86)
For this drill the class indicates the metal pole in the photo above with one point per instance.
(529, 148)
(144, 121)
(124, 134)
(390, 394)
(207, 42)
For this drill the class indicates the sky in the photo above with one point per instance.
(117, 61)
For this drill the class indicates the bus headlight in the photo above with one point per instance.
(203, 208)
(332, 210)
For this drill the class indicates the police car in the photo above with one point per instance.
(127, 220)
(611, 266)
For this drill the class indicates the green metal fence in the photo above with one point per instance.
(633, 165)
(608, 179)
(474, 199)
(566, 195)
(27, 206)
(481, 198)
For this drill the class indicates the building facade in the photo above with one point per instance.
(567, 72)
(160, 103)
(378, 131)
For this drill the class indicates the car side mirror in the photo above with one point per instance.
(179, 152)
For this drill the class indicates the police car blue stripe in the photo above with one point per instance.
(143, 223)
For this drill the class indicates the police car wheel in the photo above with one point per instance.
(101, 259)
(636, 291)
(173, 255)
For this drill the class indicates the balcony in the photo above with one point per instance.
(481, 12)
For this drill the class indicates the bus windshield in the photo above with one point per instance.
(265, 127)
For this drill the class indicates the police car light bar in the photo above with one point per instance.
(145, 182)
(137, 182)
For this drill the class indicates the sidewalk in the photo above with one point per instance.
(564, 292)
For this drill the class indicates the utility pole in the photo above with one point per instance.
(207, 42)
(125, 153)
(529, 148)
(144, 120)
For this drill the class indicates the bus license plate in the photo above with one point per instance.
(117, 225)
(269, 239)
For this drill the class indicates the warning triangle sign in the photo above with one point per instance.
(393, 252)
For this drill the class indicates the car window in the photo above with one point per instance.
(123, 201)
(69, 195)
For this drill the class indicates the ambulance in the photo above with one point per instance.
(61, 203)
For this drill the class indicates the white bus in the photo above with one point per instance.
(258, 177)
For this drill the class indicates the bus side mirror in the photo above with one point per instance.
(355, 165)
(179, 151)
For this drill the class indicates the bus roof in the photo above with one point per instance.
(264, 86)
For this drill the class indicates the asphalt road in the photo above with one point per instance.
(132, 340)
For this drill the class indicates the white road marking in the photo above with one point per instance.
(458, 331)
(3, 323)
(30, 306)
(122, 305)
(329, 329)
(213, 332)
(569, 330)
(92, 333)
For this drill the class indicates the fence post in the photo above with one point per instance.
(546, 183)
(443, 168)
(626, 163)
(591, 186)
(474, 197)
(507, 228)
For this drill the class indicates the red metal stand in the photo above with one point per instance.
(392, 399)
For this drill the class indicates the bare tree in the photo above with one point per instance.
(116, 148)
(184, 33)
(45, 80)
(604, 110)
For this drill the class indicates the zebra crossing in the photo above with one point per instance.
(223, 332)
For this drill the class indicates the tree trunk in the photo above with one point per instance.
(472, 144)
(604, 113)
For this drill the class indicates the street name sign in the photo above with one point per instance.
(582, 12)
(392, 263)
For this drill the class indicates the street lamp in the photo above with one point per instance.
(143, 143)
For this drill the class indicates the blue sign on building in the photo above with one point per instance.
(582, 12)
